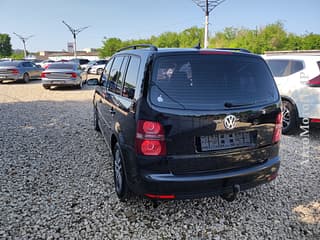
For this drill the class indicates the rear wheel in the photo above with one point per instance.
(45, 86)
(120, 182)
(26, 77)
(289, 121)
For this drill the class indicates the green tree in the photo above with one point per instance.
(311, 41)
(5, 45)
(110, 46)
(191, 37)
(168, 39)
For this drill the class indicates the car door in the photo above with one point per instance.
(111, 102)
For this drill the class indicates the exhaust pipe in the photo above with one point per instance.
(233, 195)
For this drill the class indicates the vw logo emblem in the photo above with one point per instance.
(229, 122)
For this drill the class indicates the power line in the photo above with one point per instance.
(207, 6)
(23, 39)
(74, 32)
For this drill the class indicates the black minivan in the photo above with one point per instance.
(185, 123)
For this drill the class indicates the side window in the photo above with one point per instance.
(279, 68)
(296, 66)
(131, 77)
(105, 74)
(26, 64)
(116, 75)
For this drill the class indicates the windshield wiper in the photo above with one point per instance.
(233, 105)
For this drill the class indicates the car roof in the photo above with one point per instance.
(293, 56)
(160, 51)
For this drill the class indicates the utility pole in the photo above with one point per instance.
(23, 39)
(207, 6)
(74, 32)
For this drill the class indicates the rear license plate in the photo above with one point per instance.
(227, 140)
(57, 82)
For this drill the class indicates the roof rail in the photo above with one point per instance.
(235, 49)
(150, 46)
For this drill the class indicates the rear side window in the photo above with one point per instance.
(131, 77)
(208, 82)
(283, 67)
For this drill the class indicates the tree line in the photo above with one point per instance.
(272, 37)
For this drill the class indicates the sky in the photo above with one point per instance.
(135, 19)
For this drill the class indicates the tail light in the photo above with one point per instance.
(73, 75)
(314, 82)
(315, 120)
(43, 75)
(14, 71)
(277, 130)
(150, 139)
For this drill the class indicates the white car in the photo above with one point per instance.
(298, 80)
(97, 68)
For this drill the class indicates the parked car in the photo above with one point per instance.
(81, 61)
(45, 63)
(19, 70)
(298, 80)
(94, 62)
(185, 123)
(62, 74)
(97, 67)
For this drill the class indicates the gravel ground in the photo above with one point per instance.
(56, 182)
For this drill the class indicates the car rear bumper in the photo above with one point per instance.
(10, 77)
(206, 184)
(61, 82)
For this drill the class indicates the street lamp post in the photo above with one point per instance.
(74, 33)
(207, 6)
(23, 39)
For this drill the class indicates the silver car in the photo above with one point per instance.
(62, 74)
(19, 70)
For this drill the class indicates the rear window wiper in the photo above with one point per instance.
(234, 105)
(164, 92)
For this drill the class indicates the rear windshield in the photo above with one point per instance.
(210, 82)
(9, 64)
(61, 66)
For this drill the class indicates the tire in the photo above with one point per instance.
(120, 181)
(99, 71)
(26, 78)
(96, 119)
(289, 118)
(45, 86)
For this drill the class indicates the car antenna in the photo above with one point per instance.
(198, 46)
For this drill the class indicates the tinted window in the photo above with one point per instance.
(27, 64)
(10, 64)
(116, 75)
(283, 67)
(210, 81)
(60, 66)
(131, 77)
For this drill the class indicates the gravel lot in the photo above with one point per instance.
(56, 182)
